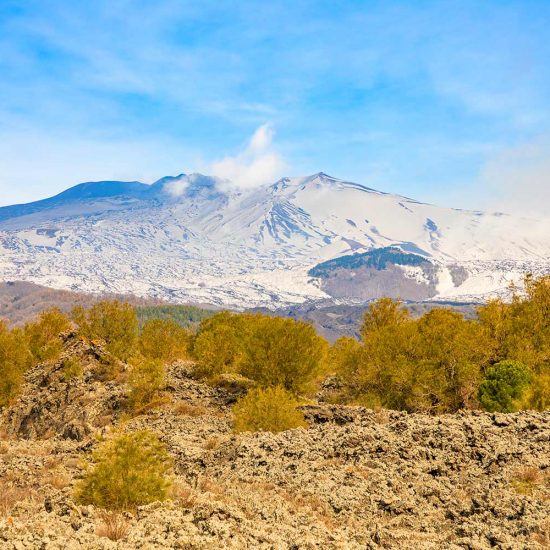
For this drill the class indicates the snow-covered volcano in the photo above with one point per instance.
(197, 238)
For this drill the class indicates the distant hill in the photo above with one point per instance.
(21, 302)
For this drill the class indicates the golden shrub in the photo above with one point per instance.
(146, 380)
(43, 334)
(114, 322)
(267, 410)
(165, 340)
(432, 364)
(282, 352)
(270, 351)
(15, 358)
(128, 471)
(218, 347)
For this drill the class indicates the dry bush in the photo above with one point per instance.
(113, 526)
(212, 443)
(4, 448)
(381, 416)
(311, 503)
(58, 480)
(333, 461)
(73, 463)
(363, 473)
(186, 409)
(103, 420)
(269, 410)
(48, 434)
(206, 485)
(42, 448)
(184, 495)
(129, 471)
(10, 495)
(52, 462)
(527, 479)
(543, 535)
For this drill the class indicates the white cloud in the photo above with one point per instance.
(518, 179)
(256, 165)
(176, 188)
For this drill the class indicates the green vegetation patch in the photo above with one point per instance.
(185, 316)
(128, 471)
(267, 410)
(377, 259)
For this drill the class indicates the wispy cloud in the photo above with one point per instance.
(257, 164)
(176, 188)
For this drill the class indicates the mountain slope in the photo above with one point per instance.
(194, 237)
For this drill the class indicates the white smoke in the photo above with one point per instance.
(176, 188)
(256, 165)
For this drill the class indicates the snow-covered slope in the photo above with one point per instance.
(192, 237)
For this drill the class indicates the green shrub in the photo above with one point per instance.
(431, 364)
(282, 352)
(165, 340)
(267, 410)
(271, 351)
(113, 322)
(503, 386)
(185, 316)
(218, 347)
(15, 358)
(71, 368)
(43, 334)
(129, 471)
(146, 380)
(519, 330)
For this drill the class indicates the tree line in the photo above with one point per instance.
(438, 363)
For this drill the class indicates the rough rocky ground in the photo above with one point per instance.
(355, 478)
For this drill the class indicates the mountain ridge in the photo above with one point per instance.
(202, 238)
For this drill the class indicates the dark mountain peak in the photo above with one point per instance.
(100, 189)
(167, 179)
(87, 192)
(323, 175)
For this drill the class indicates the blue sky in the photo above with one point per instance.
(448, 102)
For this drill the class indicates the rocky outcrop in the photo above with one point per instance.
(57, 402)
(355, 479)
